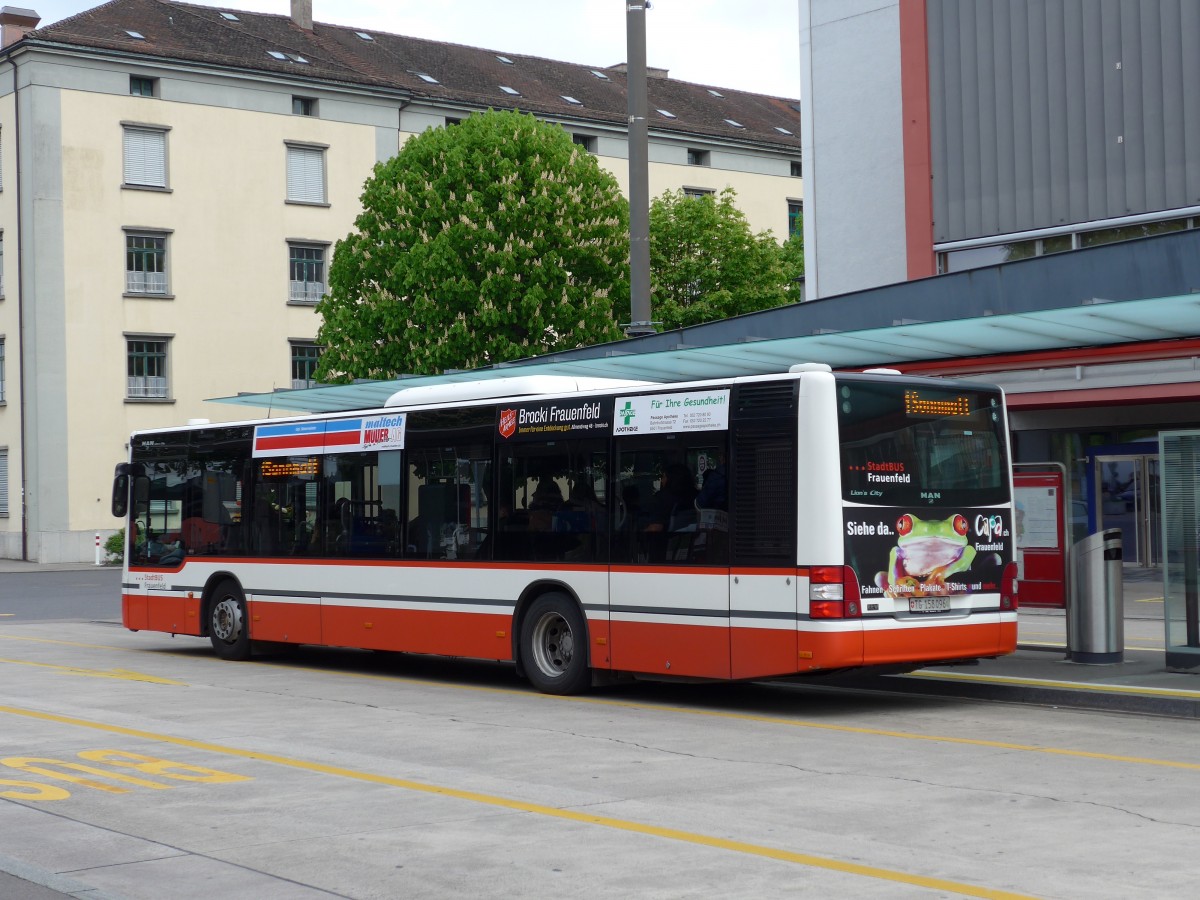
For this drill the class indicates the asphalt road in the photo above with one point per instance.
(93, 593)
(140, 766)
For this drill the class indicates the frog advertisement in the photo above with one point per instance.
(927, 551)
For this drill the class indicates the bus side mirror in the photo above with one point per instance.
(121, 491)
(120, 495)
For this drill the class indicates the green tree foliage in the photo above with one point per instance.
(792, 256)
(491, 240)
(706, 264)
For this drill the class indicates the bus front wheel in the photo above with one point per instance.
(554, 645)
(228, 627)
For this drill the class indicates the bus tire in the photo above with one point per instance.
(228, 624)
(554, 645)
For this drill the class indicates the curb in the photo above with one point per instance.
(1109, 698)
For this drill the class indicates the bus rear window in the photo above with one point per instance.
(913, 444)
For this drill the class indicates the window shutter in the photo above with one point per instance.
(145, 157)
(306, 174)
(3, 482)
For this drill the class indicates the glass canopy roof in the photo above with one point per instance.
(1095, 323)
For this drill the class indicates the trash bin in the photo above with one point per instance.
(1096, 612)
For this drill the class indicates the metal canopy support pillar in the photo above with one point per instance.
(639, 174)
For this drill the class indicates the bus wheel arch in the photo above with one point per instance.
(551, 644)
(226, 617)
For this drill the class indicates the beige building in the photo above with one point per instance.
(173, 179)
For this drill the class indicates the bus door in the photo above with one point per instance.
(669, 579)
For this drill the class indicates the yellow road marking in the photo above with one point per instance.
(33, 640)
(776, 720)
(120, 674)
(1060, 644)
(1068, 685)
(689, 837)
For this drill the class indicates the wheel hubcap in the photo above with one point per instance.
(227, 620)
(553, 645)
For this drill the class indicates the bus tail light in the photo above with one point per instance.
(1008, 588)
(833, 593)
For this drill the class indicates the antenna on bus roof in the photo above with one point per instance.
(811, 367)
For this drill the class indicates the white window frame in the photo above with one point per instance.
(144, 283)
(306, 173)
(297, 343)
(304, 291)
(144, 156)
(143, 387)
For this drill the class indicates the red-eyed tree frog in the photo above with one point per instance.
(925, 555)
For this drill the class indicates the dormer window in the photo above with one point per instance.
(667, 114)
(735, 124)
(600, 75)
(716, 94)
(363, 36)
(572, 100)
(429, 79)
(275, 54)
(136, 35)
(505, 60)
(230, 17)
(508, 90)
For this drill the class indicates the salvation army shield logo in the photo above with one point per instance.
(508, 422)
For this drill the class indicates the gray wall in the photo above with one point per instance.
(852, 139)
(1054, 112)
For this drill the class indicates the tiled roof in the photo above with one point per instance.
(470, 76)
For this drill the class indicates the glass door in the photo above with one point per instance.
(1127, 498)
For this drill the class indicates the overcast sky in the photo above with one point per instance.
(753, 45)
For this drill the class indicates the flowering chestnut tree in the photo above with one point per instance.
(491, 240)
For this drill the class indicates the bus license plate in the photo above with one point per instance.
(928, 604)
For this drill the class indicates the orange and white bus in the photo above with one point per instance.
(749, 528)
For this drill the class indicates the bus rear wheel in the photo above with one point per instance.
(228, 626)
(554, 646)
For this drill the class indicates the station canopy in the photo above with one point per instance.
(1097, 323)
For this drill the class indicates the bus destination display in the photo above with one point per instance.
(921, 405)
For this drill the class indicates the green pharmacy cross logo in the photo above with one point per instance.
(627, 412)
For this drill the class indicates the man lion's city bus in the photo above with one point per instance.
(761, 527)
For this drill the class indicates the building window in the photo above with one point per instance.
(586, 141)
(142, 87)
(306, 273)
(305, 174)
(2, 395)
(697, 193)
(697, 157)
(305, 356)
(3, 482)
(795, 217)
(146, 362)
(1, 265)
(145, 264)
(452, 120)
(145, 157)
(991, 254)
(797, 169)
(304, 106)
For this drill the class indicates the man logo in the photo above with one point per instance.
(508, 422)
